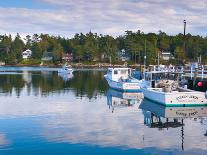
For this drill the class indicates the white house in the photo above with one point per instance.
(166, 55)
(123, 55)
(27, 54)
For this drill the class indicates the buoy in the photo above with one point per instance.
(200, 84)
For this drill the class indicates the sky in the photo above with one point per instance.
(108, 17)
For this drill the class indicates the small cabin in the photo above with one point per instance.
(117, 74)
(27, 54)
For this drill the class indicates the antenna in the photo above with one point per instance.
(144, 56)
(184, 38)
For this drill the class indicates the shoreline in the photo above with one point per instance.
(76, 65)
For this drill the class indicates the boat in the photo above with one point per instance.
(119, 99)
(169, 92)
(66, 69)
(121, 79)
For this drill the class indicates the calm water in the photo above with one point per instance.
(42, 112)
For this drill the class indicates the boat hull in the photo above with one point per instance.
(175, 98)
(124, 86)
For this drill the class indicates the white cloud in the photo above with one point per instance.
(67, 17)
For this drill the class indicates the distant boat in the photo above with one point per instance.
(121, 79)
(67, 69)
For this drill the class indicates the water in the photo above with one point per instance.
(42, 112)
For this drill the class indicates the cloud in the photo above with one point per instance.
(114, 17)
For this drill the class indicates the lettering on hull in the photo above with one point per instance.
(187, 98)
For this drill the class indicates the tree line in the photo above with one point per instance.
(91, 47)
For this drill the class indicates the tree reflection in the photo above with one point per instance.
(84, 83)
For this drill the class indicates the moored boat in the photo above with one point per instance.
(169, 93)
(121, 79)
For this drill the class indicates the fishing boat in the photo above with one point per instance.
(169, 92)
(121, 79)
(66, 69)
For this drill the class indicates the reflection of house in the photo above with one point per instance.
(47, 56)
(123, 55)
(166, 55)
(27, 76)
(68, 57)
(27, 54)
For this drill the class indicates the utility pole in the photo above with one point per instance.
(135, 57)
(184, 37)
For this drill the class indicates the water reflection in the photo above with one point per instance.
(74, 115)
(82, 83)
(117, 99)
(66, 76)
(160, 117)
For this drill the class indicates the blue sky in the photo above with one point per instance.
(32, 4)
(113, 17)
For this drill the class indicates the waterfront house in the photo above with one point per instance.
(68, 57)
(166, 55)
(27, 54)
(2, 63)
(123, 55)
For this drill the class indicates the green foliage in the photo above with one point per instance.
(91, 47)
(180, 54)
(31, 62)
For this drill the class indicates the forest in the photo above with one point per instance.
(93, 47)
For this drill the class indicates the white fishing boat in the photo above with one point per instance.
(67, 69)
(169, 93)
(121, 79)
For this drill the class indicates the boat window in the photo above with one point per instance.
(115, 72)
(123, 71)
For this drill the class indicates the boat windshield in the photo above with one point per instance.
(152, 76)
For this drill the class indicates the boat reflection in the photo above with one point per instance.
(161, 117)
(66, 76)
(118, 99)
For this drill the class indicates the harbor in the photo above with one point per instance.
(109, 77)
(38, 103)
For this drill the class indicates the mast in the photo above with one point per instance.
(144, 56)
(184, 37)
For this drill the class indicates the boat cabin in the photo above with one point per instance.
(117, 74)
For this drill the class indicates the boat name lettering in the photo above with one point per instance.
(189, 114)
(186, 96)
